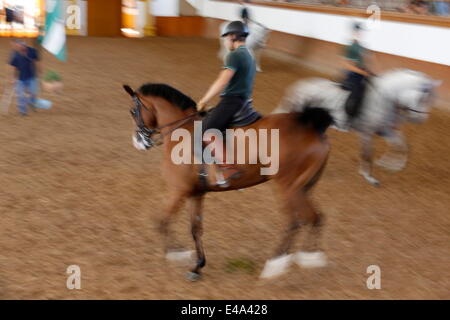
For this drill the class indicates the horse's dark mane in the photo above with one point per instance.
(169, 93)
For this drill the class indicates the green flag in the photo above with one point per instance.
(54, 40)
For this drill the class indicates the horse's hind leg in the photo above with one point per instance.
(281, 260)
(313, 257)
(197, 232)
(300, 213)
(294, 224)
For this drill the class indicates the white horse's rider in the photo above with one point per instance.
(357, 64)
(392, 98)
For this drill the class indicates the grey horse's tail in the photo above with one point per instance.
(318, 118)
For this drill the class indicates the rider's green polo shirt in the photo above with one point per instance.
(356, 53)
(243, 64)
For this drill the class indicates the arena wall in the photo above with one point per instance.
(315, 37)
(104, 18)
(309, 35)
(165, 8)
(413, 40)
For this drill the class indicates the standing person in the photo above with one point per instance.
(25, 68)
(235, 86)
(356, 61)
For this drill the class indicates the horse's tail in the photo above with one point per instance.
(318, 118)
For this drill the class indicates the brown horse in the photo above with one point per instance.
(160, 110)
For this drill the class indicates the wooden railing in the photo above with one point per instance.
(441, 21)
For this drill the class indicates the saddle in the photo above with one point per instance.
(245, 116)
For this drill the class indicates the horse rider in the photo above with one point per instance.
(356, 61)
(235, 86)
(258, 36)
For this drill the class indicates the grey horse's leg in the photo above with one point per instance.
(366, 158)
(397, 155)
(257, 54)
(223, 50)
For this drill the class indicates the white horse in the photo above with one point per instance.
(256, 41)
(394, 97)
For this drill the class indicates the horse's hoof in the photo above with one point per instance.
(276, 267)
(373, 181)
(193, 276)
(180, 257)
(391, 164)
(369, 178)
(316, 259)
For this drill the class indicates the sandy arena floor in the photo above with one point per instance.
(75, 191)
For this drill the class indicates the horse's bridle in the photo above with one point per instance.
(426, 95)
(144, 134)
(414, 110)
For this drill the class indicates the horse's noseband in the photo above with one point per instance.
(143, 134)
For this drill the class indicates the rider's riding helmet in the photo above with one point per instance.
(357, 26)
(236, 27)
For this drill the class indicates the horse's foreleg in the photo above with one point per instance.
(175, 203)
(397, 155)
(197, 232)
(366, 159)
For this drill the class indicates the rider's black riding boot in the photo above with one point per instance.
(224, 174)
(354, 101)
